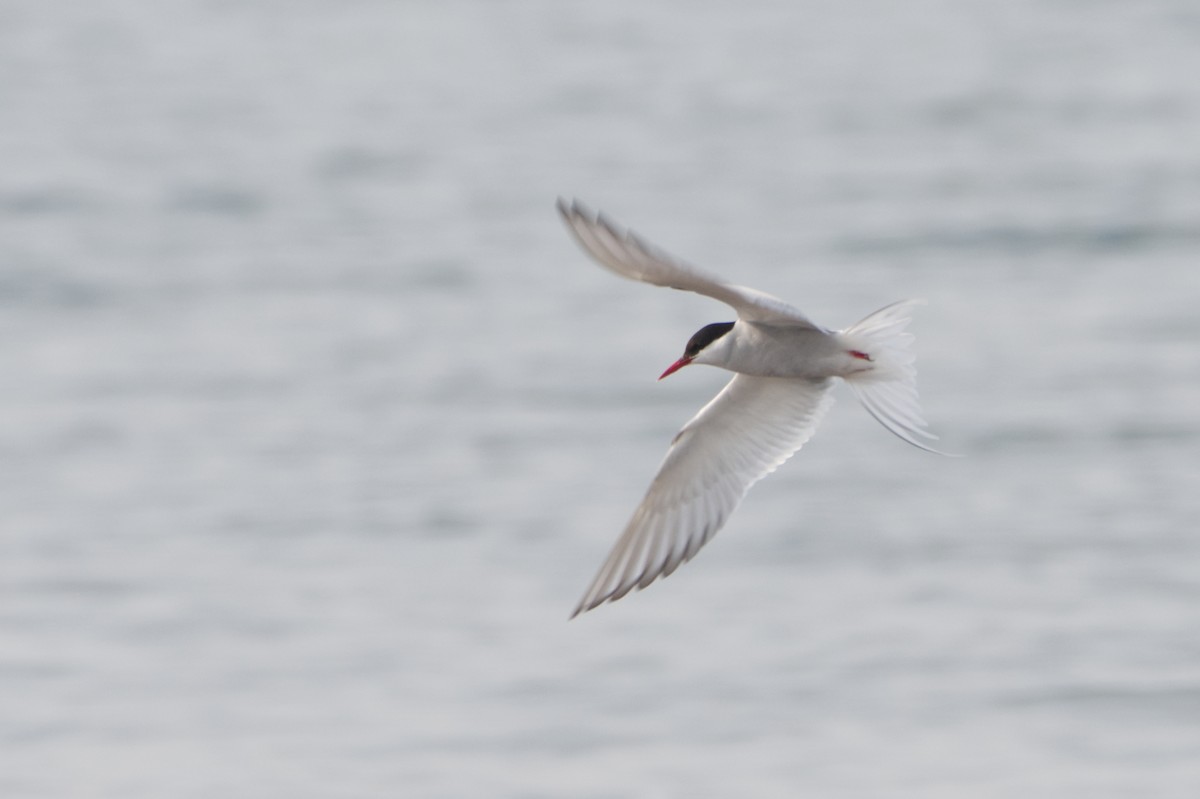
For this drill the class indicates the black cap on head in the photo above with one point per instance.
(705, 336)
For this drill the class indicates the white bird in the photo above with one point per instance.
(784, 367)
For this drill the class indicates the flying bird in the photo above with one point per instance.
(784, 366)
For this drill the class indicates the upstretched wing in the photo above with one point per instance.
(751, 427)
(631, 256)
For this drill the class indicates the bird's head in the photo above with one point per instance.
(702, 347)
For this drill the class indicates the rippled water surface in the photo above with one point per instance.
(315, 424)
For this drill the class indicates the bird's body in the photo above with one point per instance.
(766, 350)
(785, 366)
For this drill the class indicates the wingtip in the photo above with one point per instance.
(595, 598)
(583, 607)
(578, 210)
(567, 209)
(573, 208)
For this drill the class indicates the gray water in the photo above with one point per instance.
(315, 424)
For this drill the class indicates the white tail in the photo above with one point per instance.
(888, 390)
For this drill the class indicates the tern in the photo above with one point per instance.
(784, 366)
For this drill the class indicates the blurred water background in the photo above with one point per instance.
(315, 424)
